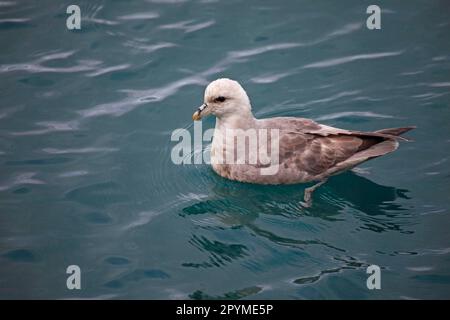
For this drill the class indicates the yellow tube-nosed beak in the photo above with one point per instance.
(196, 116)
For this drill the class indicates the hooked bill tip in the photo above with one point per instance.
(196, 116)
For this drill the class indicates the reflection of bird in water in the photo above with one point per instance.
(244, 203)
(307, 151)
(231, 205)
(366, 195)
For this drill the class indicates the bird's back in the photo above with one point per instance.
(308, 151)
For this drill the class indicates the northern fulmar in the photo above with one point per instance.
(305, 151)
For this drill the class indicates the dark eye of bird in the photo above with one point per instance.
(220, 99)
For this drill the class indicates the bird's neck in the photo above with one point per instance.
(242, 120)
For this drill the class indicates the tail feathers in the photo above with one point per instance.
(396, 131)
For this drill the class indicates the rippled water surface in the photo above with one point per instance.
(86, 177)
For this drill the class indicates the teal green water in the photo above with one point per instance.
(85, 171)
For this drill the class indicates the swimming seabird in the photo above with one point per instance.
(307, 151)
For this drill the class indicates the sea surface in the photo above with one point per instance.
(86, 176)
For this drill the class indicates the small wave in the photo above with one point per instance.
(102, 71)
(140, 16)
(9, 111)
(37, 65)
(296, 106)
(420, 269)
(271, 78)
(102, 21)
(346, 29)
(188, 26)
(80, 150)
(71, 174)
(263, 49)
(48, 128)
(343, 60)
(21, 179)
(439, 84)
(349, 263)
(428, 95)
(364, 98)
(140, 97)
(365, 114)
(411, 73)
(143, 218)
(439, 251)
(113, 108)
(439, 58)
(331, 98)
(91, 16)
(14, 20)
(7, 3)
(149, 48)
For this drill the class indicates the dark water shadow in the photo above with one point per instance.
(248, 201)
(237, 205)
(366, 195)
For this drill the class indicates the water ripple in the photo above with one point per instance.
(140, 97)
(7, 112)
(7, 3)
(345, 30)
(102, 71)
(101, 21)
(366, 114)
(36, 65)
(270, 78)
(21, 179)
(49, 127)
(14, 20)
(297, 106)
(149, 48)
(71, 174)
(188, 26)
(261, 50)
(78, 151)
(343, 60)
(140, 16)
(439, 84)
(91, 16)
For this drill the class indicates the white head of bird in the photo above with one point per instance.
(227, 100)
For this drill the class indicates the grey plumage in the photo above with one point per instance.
(308, 151)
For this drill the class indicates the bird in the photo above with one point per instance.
(306, 151)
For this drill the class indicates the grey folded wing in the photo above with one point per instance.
(321, 151)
